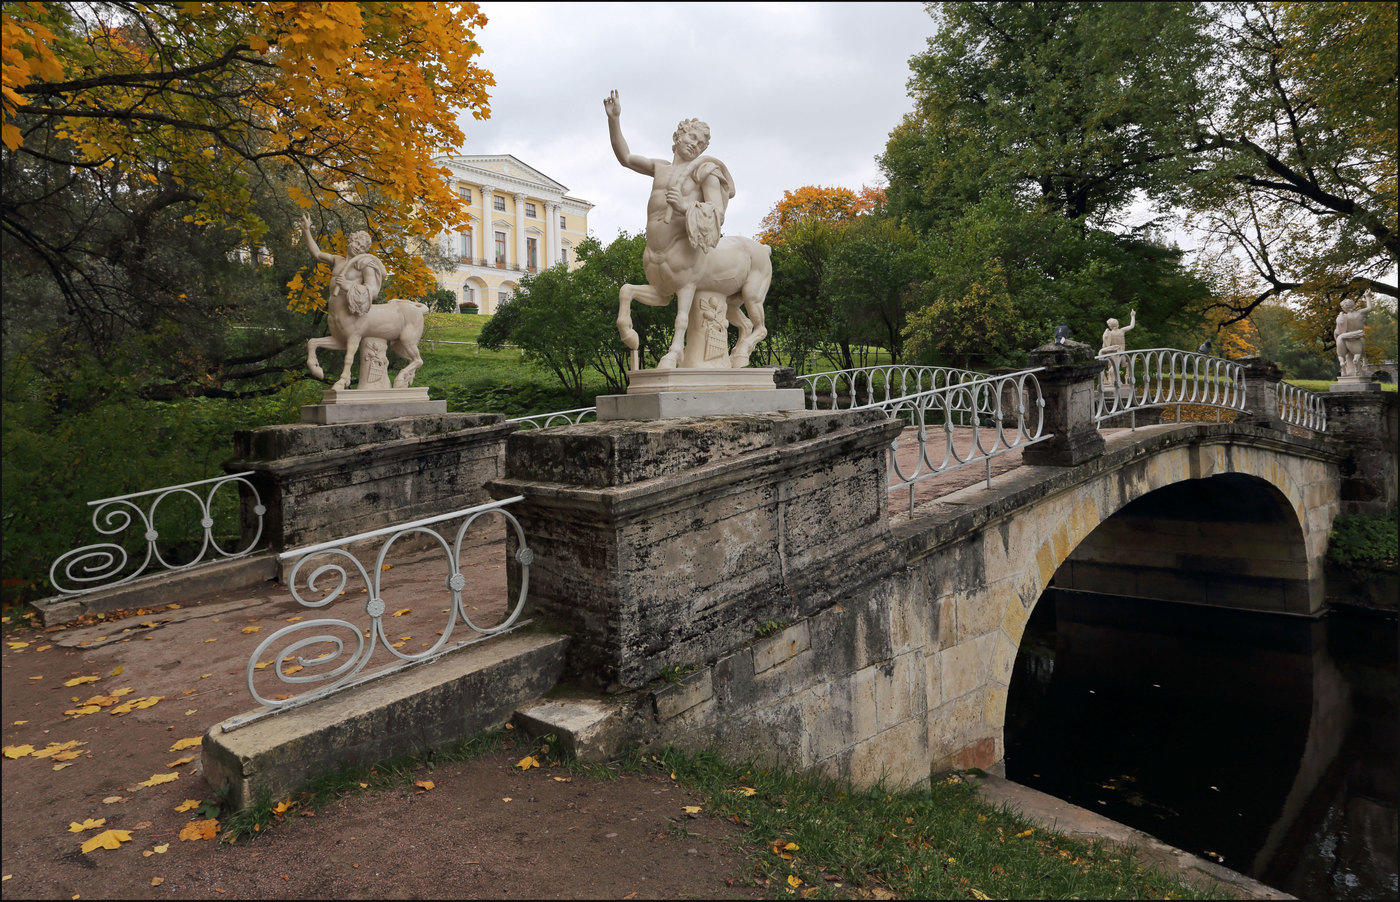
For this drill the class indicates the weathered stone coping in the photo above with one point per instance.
(968, 510)
(299, 448)
(774, 443)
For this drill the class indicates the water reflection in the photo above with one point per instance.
(1267, 743)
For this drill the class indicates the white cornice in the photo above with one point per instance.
(533, 230)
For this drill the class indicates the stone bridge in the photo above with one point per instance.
(740, 581)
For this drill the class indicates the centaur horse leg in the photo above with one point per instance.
(406, 345)
(352, 345)
(316, 344)
(754, 291)
(685, 297)
(647, 295)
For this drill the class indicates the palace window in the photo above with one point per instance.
(498, 202)
(531, 253)
(564, 255)
(563, 223)
(530, 211)
(501, 248)
(465, 194)
(467, 245)
(502, 297)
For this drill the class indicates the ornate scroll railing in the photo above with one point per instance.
(331, 653)
(868, 386)
(966, 423)
(557, 418)
(1157, 377)
(102, 565)
(1300, 407)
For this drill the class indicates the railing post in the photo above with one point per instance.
(1067, 385)
(1261, 379)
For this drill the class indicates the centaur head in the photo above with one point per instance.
(691, 138)
(359, 242)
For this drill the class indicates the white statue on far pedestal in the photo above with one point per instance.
(1350, 333)
(1116, 342)
(357, 322)
(711, 276)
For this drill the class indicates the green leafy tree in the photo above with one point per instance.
(866, 281)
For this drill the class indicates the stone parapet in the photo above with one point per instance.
(326, 482)
(1261, 379)
(665, 544)
(1067, 386)
(1363, 426)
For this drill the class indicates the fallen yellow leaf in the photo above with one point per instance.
(691, 809)
(190, 742)
(17, 751)
(111, 800)
(401, 611)
(261, 665)
(978, 894)
(68, 755)
(89, 824)
(282, 807)
(85, 709)
(53, 748)
(160, 849)
(17, 645)
(794, 880)
(125, 690)
(295, 619)
(425, 785)
(196, 830)
(293, 669)
(527, 762)
(78, 681)
(187, 805)
(178, 762)
(157, 881)
(107, 839)
(250, 629)
(157, 779)
(745, 790)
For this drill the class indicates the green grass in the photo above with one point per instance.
(940, 842)
(1322, 385)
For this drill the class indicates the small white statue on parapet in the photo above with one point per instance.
(711, 276)
(1115, 342)
(357, 322)
(1350, 333)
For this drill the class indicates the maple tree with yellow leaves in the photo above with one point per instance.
(195, 109)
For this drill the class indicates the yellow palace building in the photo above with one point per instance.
(522, 221)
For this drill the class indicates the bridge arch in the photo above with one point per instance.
(1026, 550)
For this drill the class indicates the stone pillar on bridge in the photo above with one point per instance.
(1261, 379)
(1365, 424)
(1067, 385)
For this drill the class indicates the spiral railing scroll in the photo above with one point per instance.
(105, 564)
(996, 414)
(329, 653)
(1302, 408)
(1156, 377)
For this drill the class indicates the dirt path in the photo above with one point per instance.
(579, 838)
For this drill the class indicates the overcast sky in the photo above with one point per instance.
(794, 93)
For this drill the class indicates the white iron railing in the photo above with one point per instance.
(557, 418)
(327, 657)
(1300, 407)
(995, 414)
(1156, 377)
(101, 565)
(869, 385)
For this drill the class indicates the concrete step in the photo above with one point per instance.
(409, 712)
(158, 589)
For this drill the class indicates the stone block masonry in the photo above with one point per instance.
(672, 546)
(325, 482)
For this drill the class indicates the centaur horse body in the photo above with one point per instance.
(685, 254)
(355, 318)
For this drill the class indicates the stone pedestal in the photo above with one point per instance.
(1364, 424)
(1261, 379)
(1355, 384)
(1067, 385)
(327, 482)
(699, 392)
(364, 405)
(664, 544)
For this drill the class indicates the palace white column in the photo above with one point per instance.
(519, 231)
(551, 230)
(487, 239)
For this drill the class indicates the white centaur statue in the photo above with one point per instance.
(1350, 333)
(1115, 342)
(356, 320)
(686, 256)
